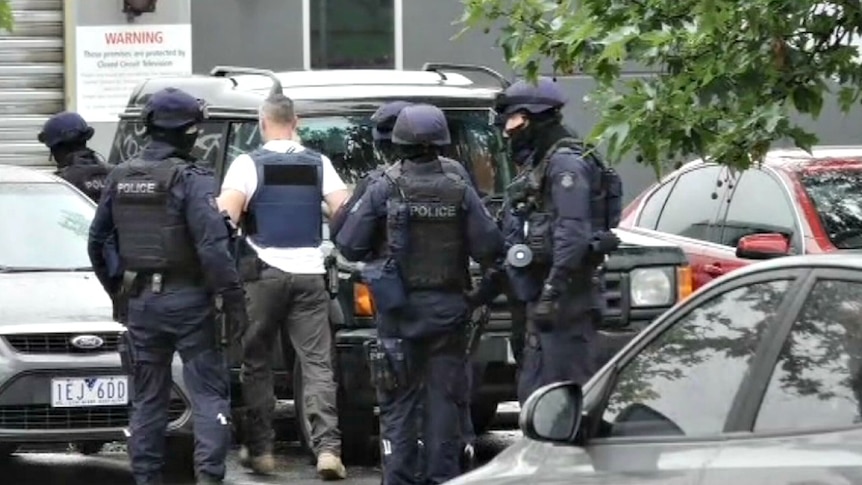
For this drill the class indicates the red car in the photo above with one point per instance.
(793, 203)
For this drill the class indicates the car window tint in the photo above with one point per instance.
(347, 141)
(653, 206)
(836, 193)
(691, 208)
(44, 226)
(817, 380)
(684, 382)
(758, 205)
(131, 138)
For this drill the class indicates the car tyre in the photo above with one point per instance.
(89, 447)
(356, 423)
(483, 414)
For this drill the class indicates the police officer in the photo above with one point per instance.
(275, 193)
(433, 222)
(383, 120)
(66, 135)
(174, 246)
(562, 206)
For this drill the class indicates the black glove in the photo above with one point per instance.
(544, 311)
(605, 242)
(487, 289)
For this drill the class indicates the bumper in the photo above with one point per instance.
(28, 363)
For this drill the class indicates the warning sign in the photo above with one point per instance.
(112, 59)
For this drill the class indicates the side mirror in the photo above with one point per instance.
(553, 413)
(763, 246)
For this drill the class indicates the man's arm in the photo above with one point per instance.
(334, 190)
(101, 229)
(239, 185)
(484, 238)
(209, 232)
(355, 239)
(569, 179)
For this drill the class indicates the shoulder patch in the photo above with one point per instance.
(212, 202)
(567, 180)
(356, 205)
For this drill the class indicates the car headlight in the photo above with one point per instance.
(652, 286)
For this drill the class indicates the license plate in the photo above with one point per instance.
(69, 392)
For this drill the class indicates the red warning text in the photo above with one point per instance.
(127, 38)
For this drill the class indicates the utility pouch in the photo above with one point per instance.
(384, 279)
(126, 349)
(381, 372)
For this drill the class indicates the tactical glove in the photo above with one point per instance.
(544, 311)
(236, 316)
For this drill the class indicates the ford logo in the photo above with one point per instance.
(87, 342)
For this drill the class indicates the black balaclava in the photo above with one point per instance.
(65, 154)
(530, 142)
(182, 141)
(385, 151)
(417, 153)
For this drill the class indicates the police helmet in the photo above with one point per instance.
(421, 124)
(384, 119)
(536, 98)
(173, 109)
(65, 127)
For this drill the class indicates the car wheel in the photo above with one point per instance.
(89, 447)
(355, 422)
(483, 414)
(180, 457)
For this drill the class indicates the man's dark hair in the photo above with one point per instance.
(279, 109)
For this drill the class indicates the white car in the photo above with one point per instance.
(60, 375)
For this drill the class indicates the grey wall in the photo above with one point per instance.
(109, 12)
(252, 33)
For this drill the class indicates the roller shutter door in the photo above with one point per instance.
(31, 79)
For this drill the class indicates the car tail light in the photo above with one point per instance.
(363, 303)
(684, 282)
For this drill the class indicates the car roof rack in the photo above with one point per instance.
(439, 66)
(223, 71)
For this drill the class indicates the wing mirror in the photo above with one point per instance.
(553, 413)
(763, 246)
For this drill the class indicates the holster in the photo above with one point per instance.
(475, 327)
(126, 349)
(331, 278)
(387, 364)
(129, 287)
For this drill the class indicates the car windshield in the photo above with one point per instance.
(347, 141)
(44, 227)
(837, 196)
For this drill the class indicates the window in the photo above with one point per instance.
(684, 382)
(352, 34)
(693, 204)
(131, 138)
(837, 196)
(653, 206)
(817, 381)
(758, 205)
(347, 141)
(44, 226)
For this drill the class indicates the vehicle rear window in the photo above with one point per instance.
(44, 226)
(347, 141)
(837, 196)
(131, 137)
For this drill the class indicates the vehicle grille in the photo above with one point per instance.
(45, 418)
(58, 343)
(615, 289)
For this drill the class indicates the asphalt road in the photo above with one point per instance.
(111, 467)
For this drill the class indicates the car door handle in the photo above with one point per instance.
(713, 269)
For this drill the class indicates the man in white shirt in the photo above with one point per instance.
(276, 192)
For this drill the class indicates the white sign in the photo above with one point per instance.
(67, 392)
(112, 59)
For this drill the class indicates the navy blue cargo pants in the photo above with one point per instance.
(431, 380)
(563, 354)
(179, 318)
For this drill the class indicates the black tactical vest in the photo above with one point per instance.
(436, 256)
(87, 173)
(151, 237)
